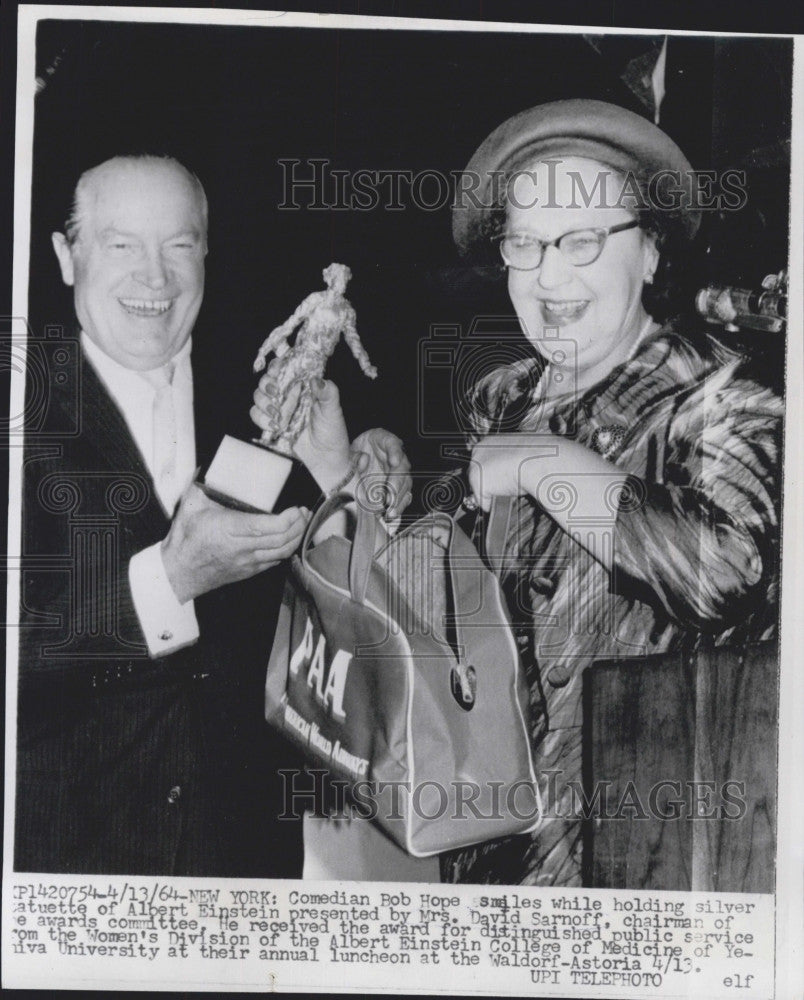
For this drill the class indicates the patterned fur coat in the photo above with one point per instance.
(694, 538)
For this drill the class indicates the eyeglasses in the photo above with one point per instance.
(524, 251)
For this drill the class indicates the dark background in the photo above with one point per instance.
(229, 102)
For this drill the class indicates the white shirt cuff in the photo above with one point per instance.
(166, 624)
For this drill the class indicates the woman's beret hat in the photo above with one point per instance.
(596, 130)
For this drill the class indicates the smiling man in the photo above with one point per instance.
(141, 743)
(134, 253)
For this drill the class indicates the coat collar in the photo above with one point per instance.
(103, 428)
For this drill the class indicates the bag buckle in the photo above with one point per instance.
(463, 685)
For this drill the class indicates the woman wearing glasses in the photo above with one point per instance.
(642, 456)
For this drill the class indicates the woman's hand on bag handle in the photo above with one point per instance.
(567, 479)
(385, 468)
(495, 468)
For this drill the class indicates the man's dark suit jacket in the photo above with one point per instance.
(128, 765)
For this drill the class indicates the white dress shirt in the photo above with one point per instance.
(166, 624)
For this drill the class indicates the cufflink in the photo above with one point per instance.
(166, 636)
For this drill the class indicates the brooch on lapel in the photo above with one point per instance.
(608, 440)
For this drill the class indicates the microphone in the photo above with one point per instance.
(744, 308)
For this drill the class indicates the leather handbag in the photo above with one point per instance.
(395, 669)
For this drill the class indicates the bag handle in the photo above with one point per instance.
(498, 527)
(463, 679)
(325, 510)
(362, 554)
(362, 548)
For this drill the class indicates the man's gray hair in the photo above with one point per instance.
(72, 227)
